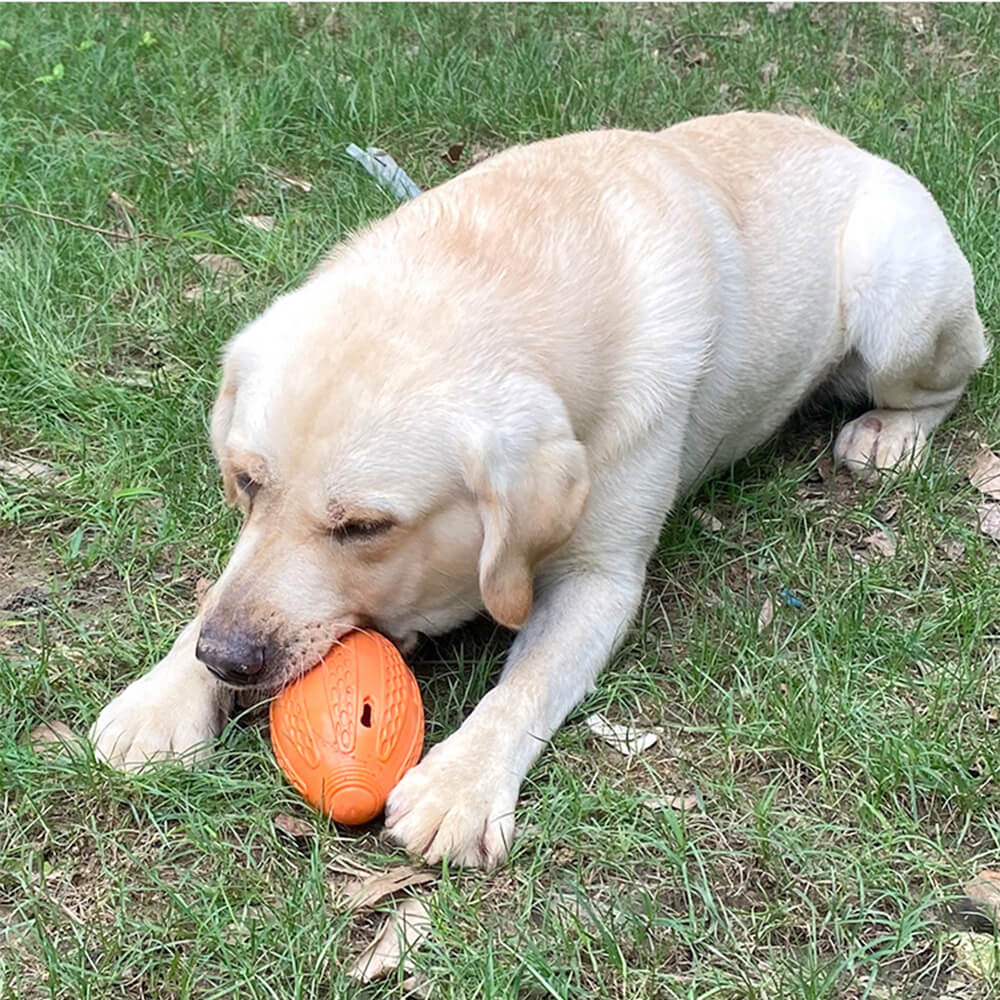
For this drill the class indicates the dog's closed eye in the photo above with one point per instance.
(360, 529)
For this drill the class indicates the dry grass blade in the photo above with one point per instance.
(402, 932)
(985, 474)
(287, 181)
(373, 888)
(626, 740)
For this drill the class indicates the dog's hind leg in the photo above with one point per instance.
(910, 317)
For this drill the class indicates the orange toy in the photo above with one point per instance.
(346, 732)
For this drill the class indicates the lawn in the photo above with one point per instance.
(835, 770)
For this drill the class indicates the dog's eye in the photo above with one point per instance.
(247, 485)
(360, 530)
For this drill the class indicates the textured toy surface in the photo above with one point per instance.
(347, 731)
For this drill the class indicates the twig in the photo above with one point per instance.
(110, 234)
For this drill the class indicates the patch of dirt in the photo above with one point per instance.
(27, 572)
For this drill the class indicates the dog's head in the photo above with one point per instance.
(383, 484)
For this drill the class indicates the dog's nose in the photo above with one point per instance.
(231, 654)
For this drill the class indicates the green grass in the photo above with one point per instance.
(844, 760)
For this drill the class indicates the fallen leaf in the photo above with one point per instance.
(917, 23)
(984, 890)
(219, 264)
(766, 616)
(699, 58)
(985, 474)
(779, 8)
(54, 735)
(193, 293)
(881, 543)
(824, 469)
(708, 521)
(975, 953)
(453, 153)
(953, 550)
(625, 739)
(264, 222)
(295, 829)
(769, 70)
(989, 520)
(366, 892)
(334, 24)
(26, 468)
(123, 210)
(679, 803)
(401, 933)
(417, 985)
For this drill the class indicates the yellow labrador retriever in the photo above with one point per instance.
(493, 397)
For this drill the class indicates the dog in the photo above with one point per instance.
(492, 398)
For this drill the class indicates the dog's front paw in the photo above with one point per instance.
(454, 804)
(881, 441)
(153, 720)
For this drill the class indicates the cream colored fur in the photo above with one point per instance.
(524, 369)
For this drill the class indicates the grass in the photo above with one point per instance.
(844, 760)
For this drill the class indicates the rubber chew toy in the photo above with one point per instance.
(347, 731)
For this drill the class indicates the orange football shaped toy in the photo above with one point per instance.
(347, 731)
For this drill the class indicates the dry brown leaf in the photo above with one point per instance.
(975, 953)
(989, 520)
(953, 550)
(984, 890)
(626, 740)
(373, 888)
(295, 829)
(219, 264)
(985, 474)
(54, 735)
(264, 222)
(453, 153)
(881, 543)
(123, 211)
(26, 468)
(193, 293)
(417, 985)
(766, 616)
(401, 933)
(769, 71)
(679, 803)
(708, 521)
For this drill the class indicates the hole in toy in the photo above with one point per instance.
(366, 715)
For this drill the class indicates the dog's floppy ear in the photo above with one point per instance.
(530, 479)
(222, 419)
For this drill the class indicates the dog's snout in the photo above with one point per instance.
(231, 654)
